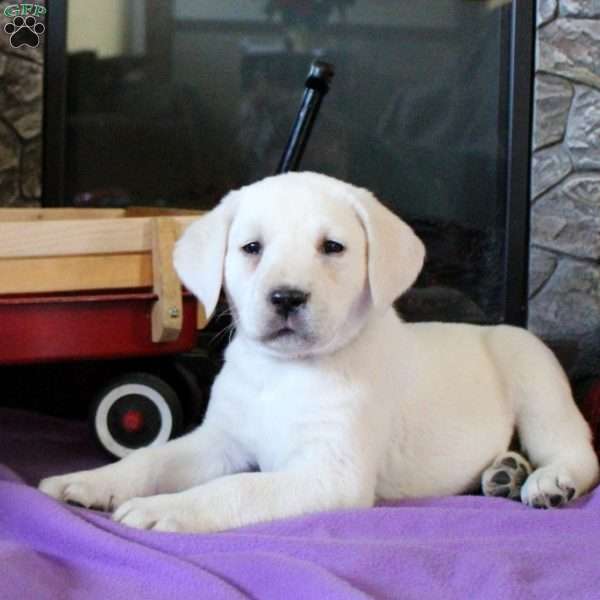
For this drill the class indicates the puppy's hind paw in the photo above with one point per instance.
(506, 476)
(548, 487)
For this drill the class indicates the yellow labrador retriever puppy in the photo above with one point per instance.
(327, 400)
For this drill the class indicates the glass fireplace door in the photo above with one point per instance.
(175, 102)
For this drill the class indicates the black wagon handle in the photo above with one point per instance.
(315, 88)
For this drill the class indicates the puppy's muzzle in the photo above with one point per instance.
(287, 301)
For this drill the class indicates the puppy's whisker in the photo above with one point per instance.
(226, 312)
(228, 329)
(231, 332)
(218, 335)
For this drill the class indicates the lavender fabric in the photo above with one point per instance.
(461, 547)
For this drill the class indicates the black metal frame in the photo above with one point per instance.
(518, 159)
(55, 91)
(516, 100)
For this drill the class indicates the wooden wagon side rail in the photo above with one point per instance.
(26, 239)
(69, 273)
(55, 252)
(60, 214)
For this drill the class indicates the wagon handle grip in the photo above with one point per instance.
(316, 87)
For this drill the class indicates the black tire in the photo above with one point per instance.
(133, 411)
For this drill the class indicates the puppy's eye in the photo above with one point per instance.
(252, 248)
(331, 247)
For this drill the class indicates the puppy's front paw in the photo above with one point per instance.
(85, 488)
(548, 487)
(166, 512)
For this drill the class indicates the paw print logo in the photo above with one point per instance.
(24, 32)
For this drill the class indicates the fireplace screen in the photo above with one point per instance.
(174, 103)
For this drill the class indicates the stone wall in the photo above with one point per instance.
(21, 88)
(565, 218)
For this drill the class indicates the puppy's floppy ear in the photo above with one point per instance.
(395, 253)
(199, 255)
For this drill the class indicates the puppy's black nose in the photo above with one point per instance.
(287, 300)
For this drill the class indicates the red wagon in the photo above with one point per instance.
(99, 283)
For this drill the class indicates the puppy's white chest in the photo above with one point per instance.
(272, 428)
(289, 410)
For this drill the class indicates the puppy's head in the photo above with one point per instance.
(304, 259)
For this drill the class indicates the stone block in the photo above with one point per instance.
(31, 170)
(548, 167)
(23, 80)
(552, 101)
(546, 11)
(579, 8)
(9, 187)
(583, 134)
(26, 119)
(570, 48)
(569, 304)
(541, 267)
(567, 218)
(9, 148)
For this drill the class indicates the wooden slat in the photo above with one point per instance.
(81, 237)
(75, 214)
(72, 273)
(151, 211)
(167, 312)
(59, 214)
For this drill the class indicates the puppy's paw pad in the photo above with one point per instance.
(506, 476)
(548, 488)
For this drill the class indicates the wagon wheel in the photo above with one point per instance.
(133, 411)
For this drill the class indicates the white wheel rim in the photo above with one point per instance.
(127, 389)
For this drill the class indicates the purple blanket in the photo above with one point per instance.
(463, 547)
